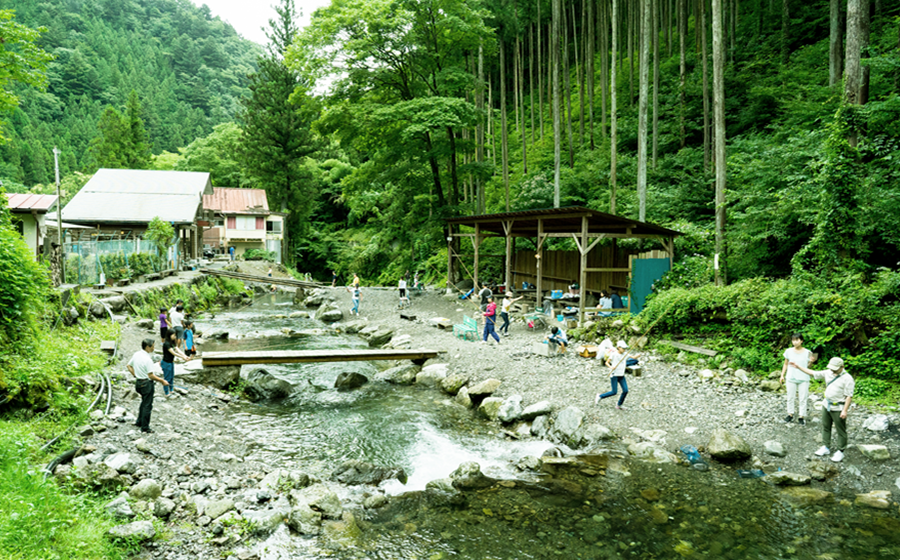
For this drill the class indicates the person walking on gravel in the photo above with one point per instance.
(838, 396)
(504, 311)
(616, 364)
(797, 381)
(354, 297)
(141, 367)
(490, 317)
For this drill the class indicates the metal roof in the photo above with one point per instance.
(136, 196)
(27, 202)
(561, 220)
(236, 201)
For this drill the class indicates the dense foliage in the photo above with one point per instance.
(188, 69)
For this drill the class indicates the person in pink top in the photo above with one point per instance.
(490, 319)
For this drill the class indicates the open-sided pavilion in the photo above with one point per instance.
(584, 226)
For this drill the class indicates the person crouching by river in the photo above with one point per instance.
(170, 352)
(141, 367)
(616, 362)
(490, 318)
(838, 396)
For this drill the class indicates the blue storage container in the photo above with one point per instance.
(555, 294)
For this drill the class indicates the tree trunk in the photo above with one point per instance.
(454, 178)
(568, 88)
(479, 132)
(579, 73)
(604, 67)
(613, 152)
(785, 32)
(435, 171)
(655, 37)
(644, 80)
(719, 110)
(521, 73)
(682, 68)
(853, 76)
(865, 26)
(706, 139)
(491, 130)
(531, 81)
(834, 43)
(516, 85)
(540, 46)
(592, 28)
(557, 128)
(504, 133)
(632, 23)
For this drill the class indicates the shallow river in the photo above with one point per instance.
(636, 510)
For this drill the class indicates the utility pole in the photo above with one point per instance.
(62, 268)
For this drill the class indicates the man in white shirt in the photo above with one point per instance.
(144, 370)
(176, 321)
(838, 396)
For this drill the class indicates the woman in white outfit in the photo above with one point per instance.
(797, 381)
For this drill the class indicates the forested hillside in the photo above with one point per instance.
(189, 71)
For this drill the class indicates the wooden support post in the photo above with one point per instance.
(476, 241)
(449, 256)
(507, 229)
(670, 245)
(582, 277)
(540, 245)
(630, 280)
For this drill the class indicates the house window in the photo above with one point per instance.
(246, 223)
(273, 227)
(232, 221)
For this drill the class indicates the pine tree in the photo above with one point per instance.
(137, 154)
(109, 146)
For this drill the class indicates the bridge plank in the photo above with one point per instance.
(311, 356)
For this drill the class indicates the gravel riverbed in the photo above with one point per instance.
(198, 457)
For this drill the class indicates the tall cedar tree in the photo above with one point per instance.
(121, 142)
(278, 130)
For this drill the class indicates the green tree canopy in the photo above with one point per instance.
(21, 61)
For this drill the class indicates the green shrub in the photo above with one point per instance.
(23, 283)
(867, 388)
(259, 255)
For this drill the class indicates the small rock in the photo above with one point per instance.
(454, 382)
(725, 446)
(803, 495)
(510, 410)
(142, 445)
(217, 508)
(350, 380)
(650, 494)
(163, 507)
(469, 476)
(375, 501)
(877, 423)
(879, 499)
(490, 407)
(147, 489)
(85, 431)
(136, 532)
(783, 478)
(121, 462)
(875, 452)
(462, 397)
(774, 448)
(119, 507)
(485, 388)
(537, 409)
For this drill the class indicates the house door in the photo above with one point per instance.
(644, 273)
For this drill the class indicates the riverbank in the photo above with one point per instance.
(210, 496)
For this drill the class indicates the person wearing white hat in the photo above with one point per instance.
(838, 396)
(616, 362)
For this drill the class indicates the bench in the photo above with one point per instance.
(536, 316)
(123, 282)
(468, 326)
(154, 276)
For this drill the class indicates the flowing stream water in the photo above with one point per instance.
(628, 510)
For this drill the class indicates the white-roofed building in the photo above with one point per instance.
(120, 203)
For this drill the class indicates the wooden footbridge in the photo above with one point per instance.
(262, 279)
(312, 356)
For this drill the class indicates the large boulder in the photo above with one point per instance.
(401, 375)
(263, 385)
(568, 427)
(305, 333)
(537, 409)
(651, 453)
(454, 382)
(400, 341)
(348, 380)
(490, 407)
(468, 476)
(98, 310)
(317, 298)
(117, 303)
(353, 327)
(319, 498)
(136, 532)
(305, 520)
(484, 389)
(432, 374)
(725, 446)
(360, 472)
(329, 314)
(510, 410)
(878, 499)
(380, 337)
(221, 377)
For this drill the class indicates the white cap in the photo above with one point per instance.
(835, 364)
(621, 344)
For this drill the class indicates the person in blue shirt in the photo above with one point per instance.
(189, 348)
(557, 340)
